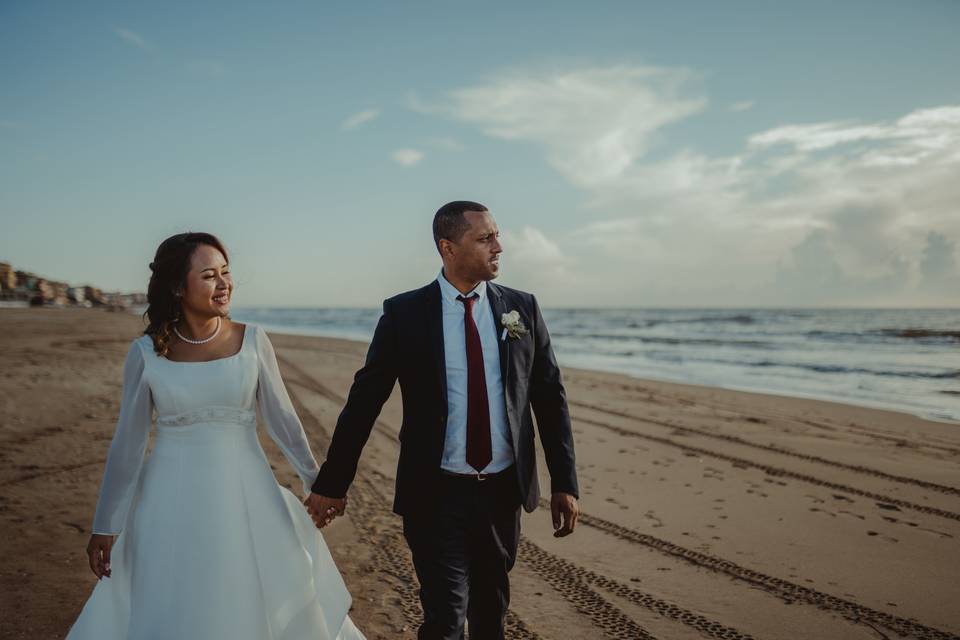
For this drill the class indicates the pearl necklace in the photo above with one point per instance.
(214, 335)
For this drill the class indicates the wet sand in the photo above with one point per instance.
(706, 512)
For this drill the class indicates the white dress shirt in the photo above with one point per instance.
(455, 357)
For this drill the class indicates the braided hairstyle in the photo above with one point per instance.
(169, 270)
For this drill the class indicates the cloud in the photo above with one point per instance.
(742, 105)
(133, 38)
(821, 136)
(532, 245)
(594, 123)
(854, 259)
(831, 212)
(811, 267)
(537, 263)
(360, 118)
(407, 157)
(939, 264)
(922, 131)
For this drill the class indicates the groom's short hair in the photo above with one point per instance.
(449, 222)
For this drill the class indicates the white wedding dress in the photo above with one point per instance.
(210, 545)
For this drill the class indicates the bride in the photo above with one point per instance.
(200, 541)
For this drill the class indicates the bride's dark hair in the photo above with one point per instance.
(169, 268)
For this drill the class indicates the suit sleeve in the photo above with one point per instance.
(371, 387)
(549, 401)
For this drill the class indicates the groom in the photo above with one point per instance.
(472, 359)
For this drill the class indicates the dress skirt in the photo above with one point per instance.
(213, 547)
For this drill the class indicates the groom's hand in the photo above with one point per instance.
(323, 509)
(565, 505)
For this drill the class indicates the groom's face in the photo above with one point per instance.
(477, 255)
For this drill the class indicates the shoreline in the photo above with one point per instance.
(739, 389)
(703, 509)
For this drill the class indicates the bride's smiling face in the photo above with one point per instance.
(209, 285)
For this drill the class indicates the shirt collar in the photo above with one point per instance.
(450, 292)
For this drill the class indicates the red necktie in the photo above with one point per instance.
(479, 452)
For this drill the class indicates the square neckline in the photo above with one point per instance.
(243, 345)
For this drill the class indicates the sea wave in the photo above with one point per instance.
(671, 356)
(902, 358)
(912, 333)
(707, 342)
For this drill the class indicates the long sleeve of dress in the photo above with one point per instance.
(278, 413)
(127, 449)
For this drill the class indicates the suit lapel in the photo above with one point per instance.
(435, 330)
(498, 308)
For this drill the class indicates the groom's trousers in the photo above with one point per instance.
(462, 553)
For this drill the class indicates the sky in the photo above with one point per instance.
(683, 154)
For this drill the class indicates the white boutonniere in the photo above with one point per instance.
(512, 325)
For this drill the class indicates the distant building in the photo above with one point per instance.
(44, 289)
(77, 295)
(94, 295)
(26, 280)
(43, 292)
(60, 297)
(24, 286)
(8, 277)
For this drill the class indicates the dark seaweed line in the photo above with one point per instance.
(772, 448)
(777, 586)
(777, 472)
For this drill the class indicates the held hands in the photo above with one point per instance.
(323, 510)
(564, 504)
(98, 552)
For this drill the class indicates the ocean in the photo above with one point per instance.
(902, 359)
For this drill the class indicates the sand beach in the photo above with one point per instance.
(707, 513)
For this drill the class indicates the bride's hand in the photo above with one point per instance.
(323, 509)
(98, 551)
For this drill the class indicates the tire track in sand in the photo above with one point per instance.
(573, 583)
(49, 472)
(372, 515)
(307, 381)
(784, 589)
(884, 502)
(933, 486)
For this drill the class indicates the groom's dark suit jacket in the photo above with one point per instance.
(408, 346)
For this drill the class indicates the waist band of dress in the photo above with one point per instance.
(211, 414)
